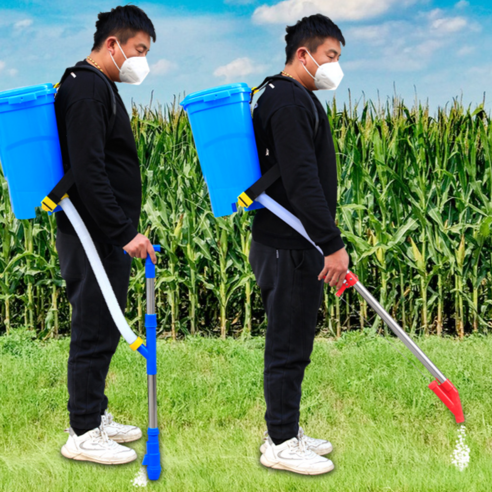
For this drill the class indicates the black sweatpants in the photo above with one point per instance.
(292, 295)
(94, 335)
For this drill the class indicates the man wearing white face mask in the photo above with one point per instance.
(293, 133)
(98, 145)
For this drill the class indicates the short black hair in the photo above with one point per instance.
(122, 22)
(310, 32)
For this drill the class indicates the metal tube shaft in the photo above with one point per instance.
(151, 378)
(296, 224)
(150, 289)
(400, 333)
(152, 390)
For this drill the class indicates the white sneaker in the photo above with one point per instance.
(319, 446)
(96, 446)
(119, 432)
(293, 455)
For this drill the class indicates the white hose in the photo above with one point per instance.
(286, 216)
(99, 272)
(102, 277)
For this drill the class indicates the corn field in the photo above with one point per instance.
(415, 210)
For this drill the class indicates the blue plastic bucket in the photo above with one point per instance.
(29, 146)
(222, 126)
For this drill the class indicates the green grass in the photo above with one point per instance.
(390, 433)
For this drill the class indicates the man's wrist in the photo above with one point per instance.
(127, 235)
(332, 246)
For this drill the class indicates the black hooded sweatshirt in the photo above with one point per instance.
(284, 122)
(107, 189)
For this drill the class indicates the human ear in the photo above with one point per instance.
(301, 55)
(111, 45)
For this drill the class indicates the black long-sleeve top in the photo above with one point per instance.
(284, 122)
(107, 189)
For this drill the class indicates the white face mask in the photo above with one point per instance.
(328, 76)
(134, 69)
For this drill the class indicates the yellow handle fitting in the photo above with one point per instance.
(136, 343)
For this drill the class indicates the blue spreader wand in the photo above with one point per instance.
(152, 459)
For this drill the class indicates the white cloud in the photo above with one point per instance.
(409, 45)
(23, 23)
(205, 42)
(238, 68)
(11, 71)
(162, 67)
(424, 50)
(394, 48)
(482, 72)
(345, 10)
(466, 50)
(442, 24)
(446, 25)
(375, 35)
(462, 4)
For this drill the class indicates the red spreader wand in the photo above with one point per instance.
(446, 391)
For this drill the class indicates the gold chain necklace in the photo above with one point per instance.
(97, 66)
(286, 74)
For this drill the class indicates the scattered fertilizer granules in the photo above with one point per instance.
(140, 479)
(461, 454)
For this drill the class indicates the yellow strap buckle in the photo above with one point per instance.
(48, 205)
(244, 200)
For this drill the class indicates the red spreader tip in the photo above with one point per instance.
(350, 280)
(449, 395)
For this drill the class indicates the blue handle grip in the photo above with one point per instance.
(149, 266)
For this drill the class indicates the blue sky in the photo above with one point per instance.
(441, 49)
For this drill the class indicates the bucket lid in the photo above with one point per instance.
(25, 94)
(215, 93)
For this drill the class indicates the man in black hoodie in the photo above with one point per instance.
(99, 148)
(288, 269)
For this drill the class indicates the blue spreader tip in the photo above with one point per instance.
(152, 459)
